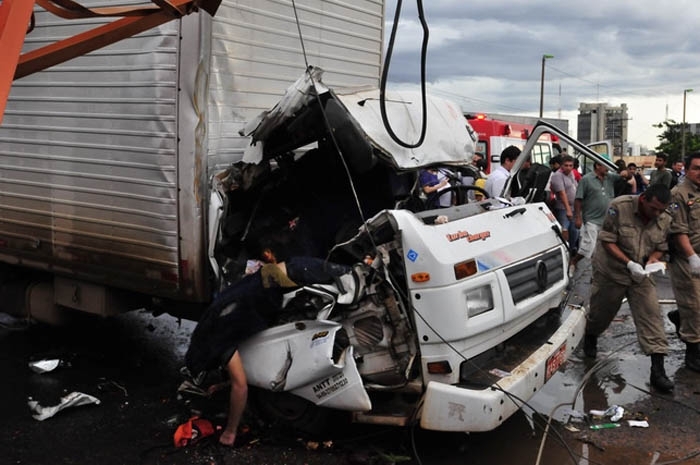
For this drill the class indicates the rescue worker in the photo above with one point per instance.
(685, 263)
(633, 234)
(248, 306)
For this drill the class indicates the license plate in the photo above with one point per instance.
(554, 361)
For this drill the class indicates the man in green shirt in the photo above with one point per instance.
(660, 175)
(593, 195)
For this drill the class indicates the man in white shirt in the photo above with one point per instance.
(497, 179)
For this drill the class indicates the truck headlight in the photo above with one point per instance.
(479, 300)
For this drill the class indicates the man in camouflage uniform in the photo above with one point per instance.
(634, 234)
(685, 264)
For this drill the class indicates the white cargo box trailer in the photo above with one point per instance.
(106, 159)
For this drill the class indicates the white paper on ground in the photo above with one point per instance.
(74, 399)
(638, 423)
(44, 366)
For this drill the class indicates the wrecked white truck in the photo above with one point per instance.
(452, 316)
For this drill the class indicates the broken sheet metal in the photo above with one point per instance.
(74, 399)
(448, 139)
(297, 96)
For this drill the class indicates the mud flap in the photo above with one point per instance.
(343, 390)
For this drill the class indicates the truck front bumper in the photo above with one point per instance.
(455, 408)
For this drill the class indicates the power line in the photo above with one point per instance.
(638, 92)
(474, 99)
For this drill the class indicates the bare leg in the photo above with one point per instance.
(237, 401)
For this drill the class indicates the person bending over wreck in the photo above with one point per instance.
(243, 309)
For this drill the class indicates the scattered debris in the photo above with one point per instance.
(500, 373)
(638, 423)
(188, 387)
(110, 385)
(655, 457)
(315, 445)
(571, 428)
(615, 412)
(44, 366)
(605, 426)
(192, 431)
(74, 399)
(311, 445)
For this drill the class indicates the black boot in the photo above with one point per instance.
(658, 377)
(692, 356)
(590, 345)
(675, 317)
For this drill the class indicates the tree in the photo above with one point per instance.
(671, 140)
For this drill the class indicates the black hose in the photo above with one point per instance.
(385, 73)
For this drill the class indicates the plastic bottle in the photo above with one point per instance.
(606, 426)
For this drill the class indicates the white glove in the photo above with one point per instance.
(694, 262)
(636, 270)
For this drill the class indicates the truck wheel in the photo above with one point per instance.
(290, 411)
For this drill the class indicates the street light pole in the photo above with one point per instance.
(685, 92)
(544, 58)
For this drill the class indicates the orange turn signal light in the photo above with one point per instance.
(464, 269)
(439, 368)
(422, 277)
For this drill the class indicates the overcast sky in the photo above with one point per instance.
(487, 56)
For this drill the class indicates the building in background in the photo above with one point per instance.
(598, 121)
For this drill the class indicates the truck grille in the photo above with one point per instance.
(535, 275)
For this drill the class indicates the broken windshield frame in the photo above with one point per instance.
(542, 127)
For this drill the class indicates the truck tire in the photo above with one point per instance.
(286, 410)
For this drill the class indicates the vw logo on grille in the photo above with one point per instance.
(541, 270)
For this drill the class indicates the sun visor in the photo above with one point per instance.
(447, 139)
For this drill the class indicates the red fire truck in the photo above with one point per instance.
(495, 135)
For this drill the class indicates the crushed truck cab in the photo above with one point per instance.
(452, 316)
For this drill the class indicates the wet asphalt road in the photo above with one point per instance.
(131, 364)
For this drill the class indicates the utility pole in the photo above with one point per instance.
(544, 58)
(685, 92)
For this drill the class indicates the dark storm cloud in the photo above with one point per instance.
(613, 43)
(488, 53)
